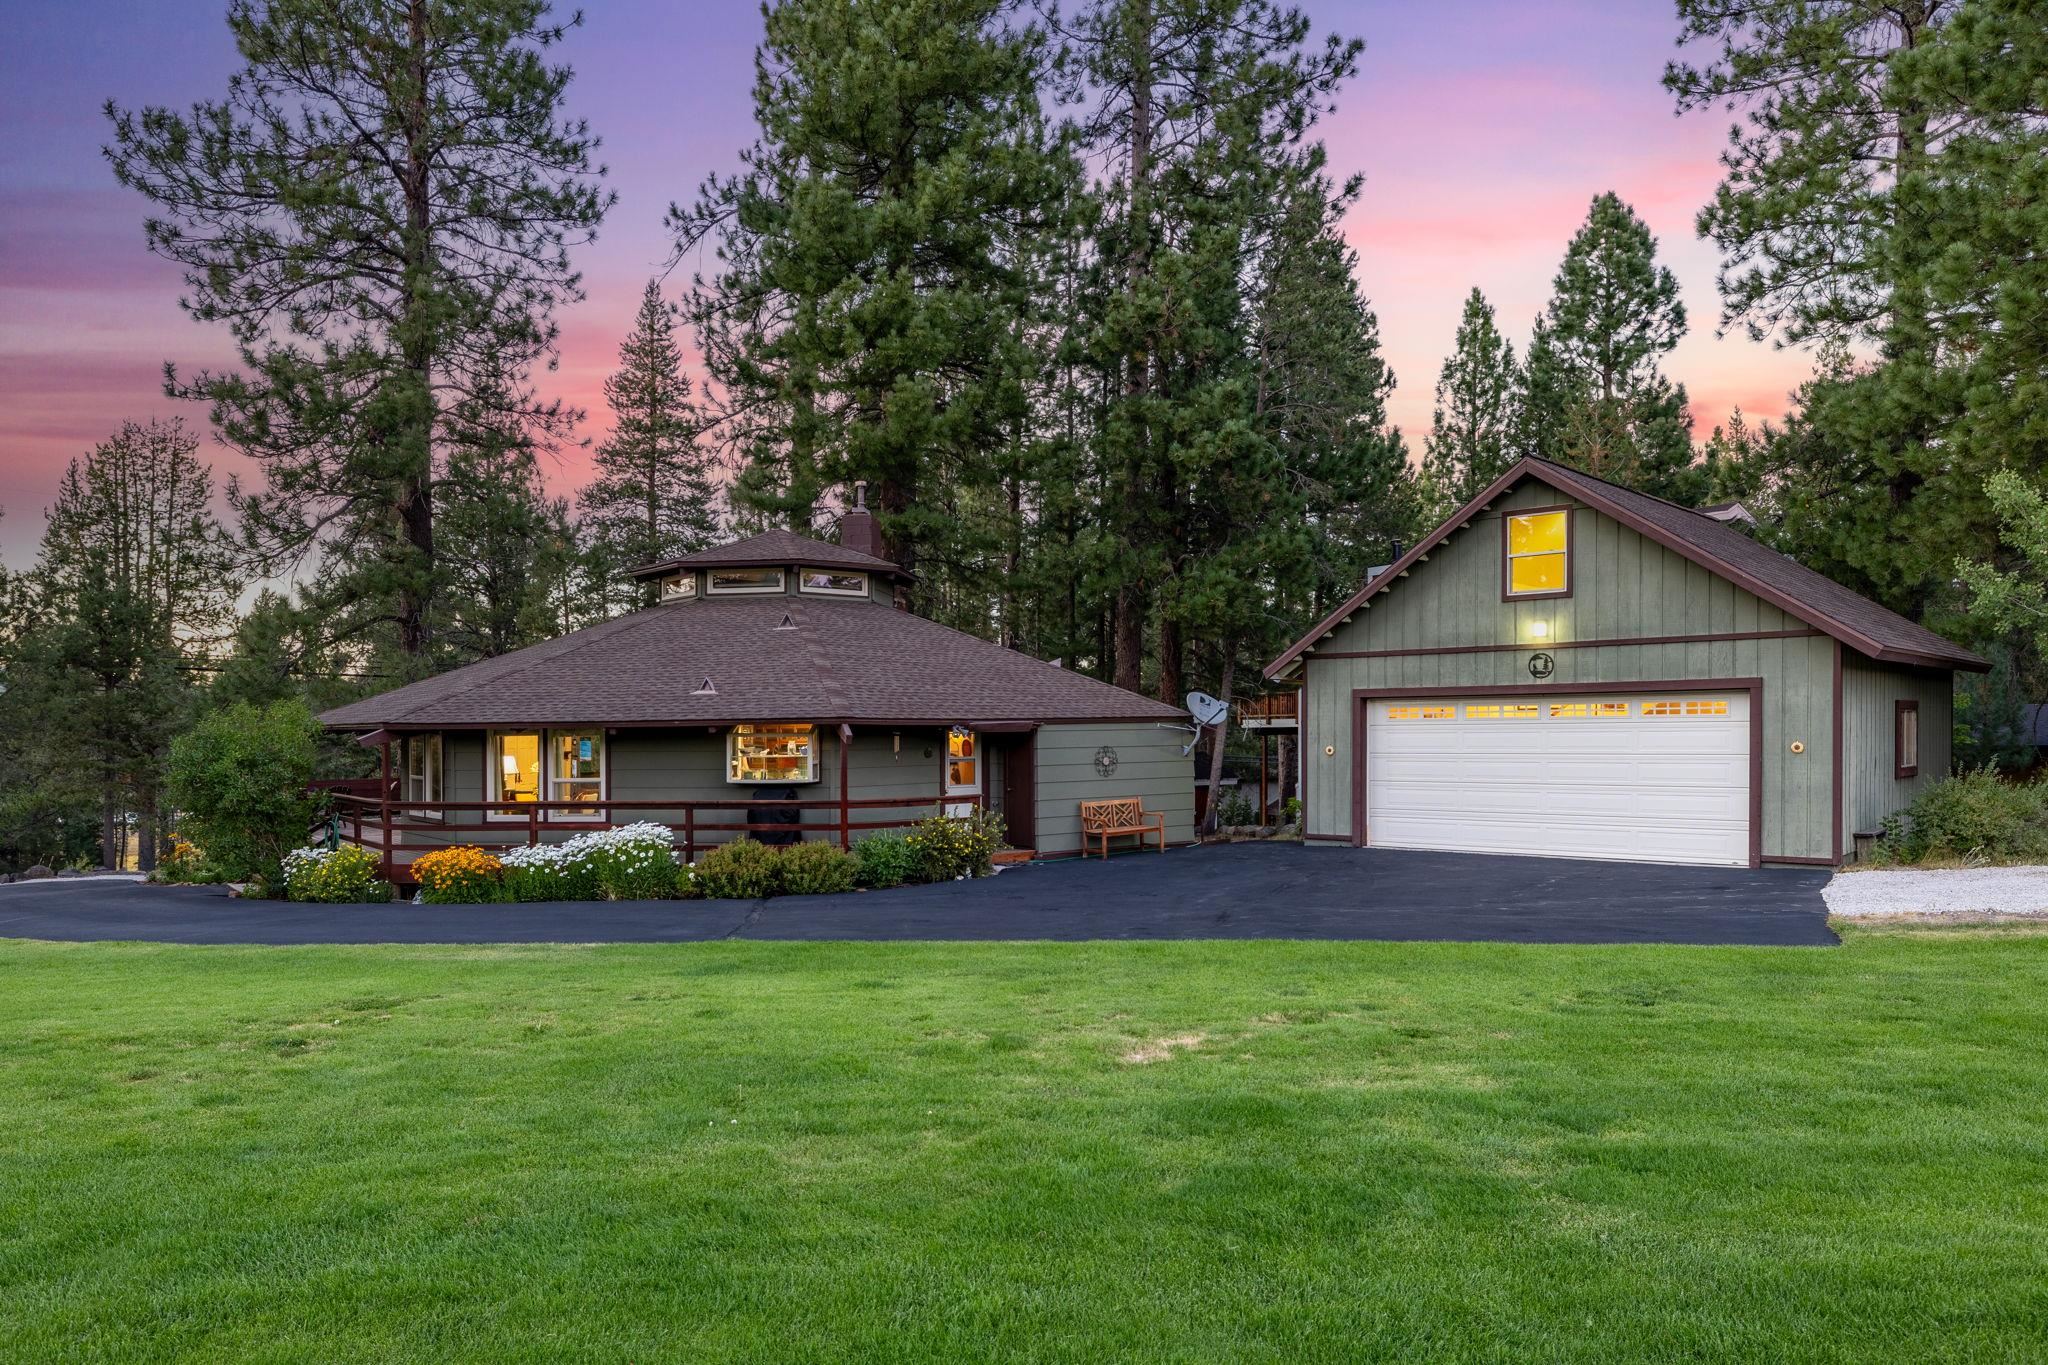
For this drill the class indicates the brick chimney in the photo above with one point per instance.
(857, 524)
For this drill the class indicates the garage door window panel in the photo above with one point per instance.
(1536, 553)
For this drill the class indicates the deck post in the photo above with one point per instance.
(1262, 777)
(384, 798)
(845, 796)
(690, 833)
(533, 824)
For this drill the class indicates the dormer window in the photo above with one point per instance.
(744, 581)
(678, 587)
(832, 583)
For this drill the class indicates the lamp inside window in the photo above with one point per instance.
(1538, 554)
(772, 753)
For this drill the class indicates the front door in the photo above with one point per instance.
(1020, 792)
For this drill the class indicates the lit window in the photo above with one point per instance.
(1439, 713)
(1528, 712)
(963, 771)
(1663, 708)
(1706, 708)
(746, 580)
(1422, 713)
(1570, 710)
(1404, 713)
(1515, 711)
(515, 769)
(1482, 713)
(576, 769)
(678, 586)
(1538, 552)
(772, 753)
(1906, 739)
(1608, 710)
(423, 769)
(830, 583)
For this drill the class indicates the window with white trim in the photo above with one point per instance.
(832, 583)
(515, 771)
(422, 769)
(735, 581)
(1422, 713)
(679, 587)
(576, 770)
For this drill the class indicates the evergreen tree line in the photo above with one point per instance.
(1064, 288)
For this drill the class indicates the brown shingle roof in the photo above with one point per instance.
(856, 661)
(1810, 596)
(785, 548)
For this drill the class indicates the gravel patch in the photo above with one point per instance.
(1947, 891)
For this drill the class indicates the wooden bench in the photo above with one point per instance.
(1119, 815)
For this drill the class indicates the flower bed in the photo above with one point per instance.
(638, 862)
(333, 876)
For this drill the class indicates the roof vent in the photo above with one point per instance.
(707, 690)
(788, 623)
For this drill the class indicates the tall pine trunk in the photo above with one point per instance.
(415, 502)
(1132, 594)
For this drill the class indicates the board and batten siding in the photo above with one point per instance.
(1149, 766)
(1625, 586)
(1870, 693)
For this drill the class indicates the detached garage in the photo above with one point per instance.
(1568, 668)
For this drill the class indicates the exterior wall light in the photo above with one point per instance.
(1539, 630)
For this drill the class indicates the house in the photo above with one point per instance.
(776, 681)
(1570, 668)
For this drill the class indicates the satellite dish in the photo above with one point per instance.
(1206, 709)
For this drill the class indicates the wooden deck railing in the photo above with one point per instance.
(1275, 706)
(380, 823)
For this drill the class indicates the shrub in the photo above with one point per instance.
(239, 778)
(948, 849)
(884, 860)
(337, 876)
(740, 870)
(1235, 809)
(1290, 813)
(1977, 817)
(631, 863)
(689, 887)
(816, 870)
(462, 875)
(181, 861)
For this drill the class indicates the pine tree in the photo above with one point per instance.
(1200, 110)
(1596, 398)
(864, 322)
(380, 212)
(134, 586)
(654, 496)
(1884, 193)
(1475, 433)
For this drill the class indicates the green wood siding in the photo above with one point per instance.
(1870, 690)
(1625, 587)
(1149, 766)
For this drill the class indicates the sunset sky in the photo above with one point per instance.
(1483, 128)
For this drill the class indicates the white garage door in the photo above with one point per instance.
(1648, 778)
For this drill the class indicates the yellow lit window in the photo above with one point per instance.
(1610, 709)
(1482, 713)
(515, 767)
(1528, 712)
(1706, 708)
(963, 773)
(1516, 711)
(1422, 713)
(1570, 710)
(1538, 551)
(1439, 713)
(1404, 713)
(1663, 708)
(772, 753)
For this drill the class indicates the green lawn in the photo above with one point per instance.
(1201, 1151)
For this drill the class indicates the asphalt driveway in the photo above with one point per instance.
(1235, 891)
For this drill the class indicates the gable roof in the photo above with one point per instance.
(766, 658)
(1779, 579)
(775, 547)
